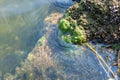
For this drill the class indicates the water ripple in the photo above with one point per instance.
(62, 3)
(82, 65)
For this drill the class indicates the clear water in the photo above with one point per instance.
(22, 24)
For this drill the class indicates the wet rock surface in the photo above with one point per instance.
(100, 19)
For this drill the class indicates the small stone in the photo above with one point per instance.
(114, 64)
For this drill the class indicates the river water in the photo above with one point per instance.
(26, 24)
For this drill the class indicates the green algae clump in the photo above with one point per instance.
(64, 25)
(79, 35)
(66, 38)
(71, 32)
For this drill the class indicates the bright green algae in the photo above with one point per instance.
(72, 33)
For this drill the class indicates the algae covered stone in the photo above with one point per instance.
(99, 18)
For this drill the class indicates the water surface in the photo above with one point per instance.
(21, 24)
(30, 26)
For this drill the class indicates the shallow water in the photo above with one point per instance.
(22, 23)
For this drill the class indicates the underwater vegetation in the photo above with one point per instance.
(40, 63)
(38, 66)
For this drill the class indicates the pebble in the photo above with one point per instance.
(110, 79)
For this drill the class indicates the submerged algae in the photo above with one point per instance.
(39, 65)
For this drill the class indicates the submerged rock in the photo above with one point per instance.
(40, 63)
(96, 21)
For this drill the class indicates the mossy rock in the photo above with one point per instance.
(100, 21)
